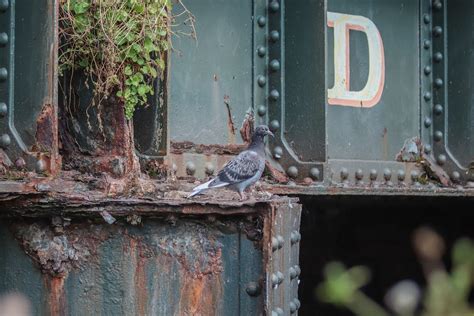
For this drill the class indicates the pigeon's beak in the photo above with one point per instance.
(270, 133)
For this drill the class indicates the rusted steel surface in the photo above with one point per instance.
(216, 149)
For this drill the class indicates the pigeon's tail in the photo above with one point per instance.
(206, 186)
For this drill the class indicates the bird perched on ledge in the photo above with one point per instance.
(242, 171)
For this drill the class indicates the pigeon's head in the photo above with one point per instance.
(262, 131)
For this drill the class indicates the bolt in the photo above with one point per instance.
(274, 6)
(261, 51)
(427, 96)
(438, 136)
(274, 95)
(274, 125)
(190, 168)
(3, 109)
(455, 176)
(209, 169)
(253, 289)
(3, 39)
(344, 174)
(427, 148)
(438, 109)
(437, 31)
(427, 70)
(261, 80)
(438, 57)
(275, 65)
(438, 82)
(274, 36)
(40, 166)
(262, 110)
(359, 175)
(373, 175)
(5, 141)
(387, 174)
(314, 173)
(261, 21)
(20, 163)
(3, 74)
(401, 175)
(277, 152)
(427, 122)
(441, 159)
(292, 172)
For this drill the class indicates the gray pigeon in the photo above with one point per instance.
(242, 171)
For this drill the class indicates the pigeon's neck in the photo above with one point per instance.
(257, 145)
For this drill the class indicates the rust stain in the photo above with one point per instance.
(230, 122)
(140, 280)
(385, 143)
(213, 149)
(276, 174)
(247, 128)
(56, 298)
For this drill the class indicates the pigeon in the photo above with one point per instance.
(242, 171)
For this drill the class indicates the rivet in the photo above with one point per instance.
(297, 269)
(261, 80)
(359, 175)
(427, 96)
(5, 141)
(373, 174)
(274, 95)
(438, 57)
(292, 307)
(427, 44)
(438, 82)
(438, 136)
(455, 176)
(438, 109)
(261, 51)
(3, 109)
(262, 110)
(275, 244)
(387, 174)
(280, 276)
(20, 163)
(253, 289)
(427, 70)
(427, 149)
(437, 5)
(277, 152)
(190, 168)
(3, 74)
(277, 278)
(279, 311)
(297, 303)
(274, 6)
(427, 122)
(274, 125)
(344, 174)
(295, 237)
(401, 175)
(261, 21)
(281, 241)
(274, 36)
(275, 65)
(209, 169)
(4, 5)
(292, 272)
(426, 18)
(414, 175)
(441, 159)
(292, 171)
(314, 173)
(40, 166)
(3, 39)
(437, 31)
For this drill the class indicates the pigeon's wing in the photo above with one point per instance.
(242, 168)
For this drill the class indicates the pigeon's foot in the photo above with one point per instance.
(243, 197)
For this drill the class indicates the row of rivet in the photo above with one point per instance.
(5, 139)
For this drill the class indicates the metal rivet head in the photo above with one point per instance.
(277, 152)
(387, 174)
(438, 109)
(344, 174)
(261, 21)
(437, 31)
(275, 65)
(261, 80)
(3, 109)
(297, 269)
(295, 237)
(373, 174)
(427, 149)
(4, 4)
(427, 96)
(427, 70)
(5, 141)
(274, 6)
(274, 279)
(427, 122)
(262, 110)
(274, 125)
(438, 57)
(292, 172)
(401, 175)
(275, 244)
(20, 163)
(441, 160)
(437, 5)
(314, 173)
(274, 36)
(40, 166)
(3, 74)
(279, 311)
(297, 303)
(281, 241)
(253, 289)
(426, 44)
(455, 176)
(3, 39)
(359, 174)
(190, 168)
(438, 82)
(209, 169)
(274, 95)
(414, 175)
(438, 136)
(292, 273)
(277, 278)
(426, 18)
(292, 307)
(261, 51)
